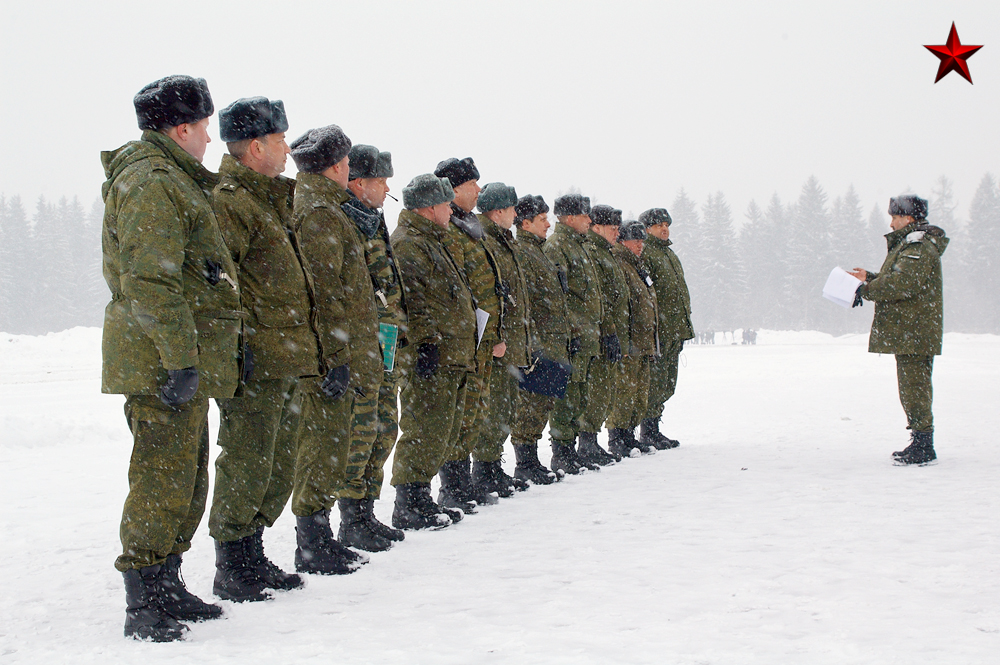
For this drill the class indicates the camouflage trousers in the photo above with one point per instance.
(916, 393)
(663, 378)
(429, 423)
(602, 379)
(476, 408)
(167, 479)
(530, 416)
(497, 424)
(373, 435)
(565, 419)
(323, 448)
(254, 471)
(631, 393)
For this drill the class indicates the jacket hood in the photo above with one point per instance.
(919, 231)
(153, 145)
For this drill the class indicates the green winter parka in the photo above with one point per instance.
(642, 310)
(566, 249)
(549, 327)
(464, 242)
(254, 213)
(512, 290)
(908, 293)
(439, 304)
(175, 302)
(346, 316)
(672, 297)
(614, 288)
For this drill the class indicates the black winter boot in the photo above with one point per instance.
(457, 489)
(387, 532)
(920, 452)
(355, 529)
(488, 477)
(145, 618)
(621, 442)
(590, 451)
(177, 600)
(649, 435)
(236, 577)
(272, 576)
(518, 484)
(528, 468)
(318, 551)
(565, 460)
(414, 509)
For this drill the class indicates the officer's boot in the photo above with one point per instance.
(236, 578)
(177, 600)
(592, 453)
(908, 450)
(518, 484)
(416, 510)
(356, 531)
(488, 477)
(272, 576)
(454, 492)
(564, 459)
(387, 532)
(649, 435)
(318, 551)
(145, 618)
(919, 453)
(619, 443)
(528, 468)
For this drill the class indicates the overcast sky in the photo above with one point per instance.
(626, 101)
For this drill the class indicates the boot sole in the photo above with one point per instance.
(899, 462)
(256, 598)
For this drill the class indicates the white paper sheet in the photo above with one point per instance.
(840, 287)
(482, 316)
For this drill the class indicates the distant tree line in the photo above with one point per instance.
(767, 272)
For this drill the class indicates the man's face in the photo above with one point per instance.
(661, 231)
(634, 246)
(466, 195)
(371, 191)
(442, 213)
(900, 222)
(505, 217)
(273, 154)
(341, 171)
(607, 231)
(579, 223)
(194, 139)
(539, 225)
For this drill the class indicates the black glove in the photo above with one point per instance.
(574, 346)
(336, 381)
(858, 302)
(247, 369)
(180, 387)
(428, 357)
(612, 348)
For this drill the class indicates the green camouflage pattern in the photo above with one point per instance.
(324, 443)
(258, 432)
(530, 417)
(566, 249)
(601, 383)
(566, 417)
(385, 277)
(672, 297)
(631, 393)
(549, 318)
(499, 418)
(254, 213)
(475, 410)
(512, 290)
(643, 339)
(663, 377)
(364, 429)
(916, 393)
(908, 294)
(160, 241)
(386, 432)
(477, 267)
(614, 289)
(167, 479)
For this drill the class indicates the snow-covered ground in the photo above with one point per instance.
(779, 532)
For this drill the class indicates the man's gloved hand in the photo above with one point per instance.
(612, 348)
(574, 346)
(858, 302)
(247, 372)
(180, 387)
(336, 381)
(428, 358)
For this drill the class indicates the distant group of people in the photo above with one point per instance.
(289, 303)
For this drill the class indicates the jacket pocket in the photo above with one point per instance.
(280, 317)
(218, 353)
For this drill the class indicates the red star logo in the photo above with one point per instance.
(953, 56)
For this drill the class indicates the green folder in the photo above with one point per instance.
(387, 336)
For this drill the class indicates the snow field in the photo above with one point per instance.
(779, 532)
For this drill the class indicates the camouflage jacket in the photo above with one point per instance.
(614, 288)
(907, 292)
(512, 290)
(254, 213)
(174, 296)
(346, 317)
(642, 312)
(439, 303)
(465, 244)
(546, 299)
(567, 250)
(672, 297)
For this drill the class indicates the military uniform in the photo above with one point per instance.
(347, 322)
(673, 320)
(909, 322)
(632, 387)
(440, 312)
(504, 375)
(258, 429)
(174, 304)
